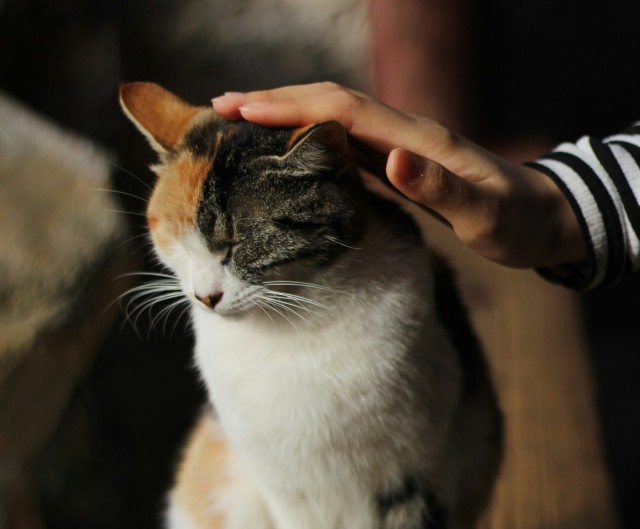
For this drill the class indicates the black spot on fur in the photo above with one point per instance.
(404, 492)
(414, 504)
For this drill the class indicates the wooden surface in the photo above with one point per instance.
(553, 476)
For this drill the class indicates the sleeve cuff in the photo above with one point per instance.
(581, 275)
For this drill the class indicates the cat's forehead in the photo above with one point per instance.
(233, 142)
(214, 168)
(223, 170)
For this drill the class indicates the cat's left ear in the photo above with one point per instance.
(318, 147)
(159, 114)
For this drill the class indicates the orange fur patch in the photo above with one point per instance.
(174, 201)
(203, 471)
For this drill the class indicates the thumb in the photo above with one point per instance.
(430, 184)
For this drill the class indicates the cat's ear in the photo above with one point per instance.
(159, 114)
(318, 147)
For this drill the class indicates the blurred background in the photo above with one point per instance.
(93, 409)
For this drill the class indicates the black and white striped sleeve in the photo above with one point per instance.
(601, 179)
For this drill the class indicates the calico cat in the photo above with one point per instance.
(347, 389)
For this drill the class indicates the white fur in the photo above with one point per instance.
(327, 410)
(241, 502)
(177, 518)
(201, 273)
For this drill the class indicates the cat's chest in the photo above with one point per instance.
(314, 385)
(254, 366)
(296, 404)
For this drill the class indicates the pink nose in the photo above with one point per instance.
(210, 301)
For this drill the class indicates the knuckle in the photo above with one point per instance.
(488, 225)
(347, 105)
(445, 139)
(331, 86)
(448, 139)
(438, 184)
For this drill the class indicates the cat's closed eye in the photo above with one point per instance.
(291, 223)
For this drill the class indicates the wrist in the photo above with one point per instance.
(570, 260)
(569, 236)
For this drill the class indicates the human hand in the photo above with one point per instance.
(508, 213)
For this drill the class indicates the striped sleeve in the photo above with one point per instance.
(601, 180)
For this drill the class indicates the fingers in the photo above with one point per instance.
(293, 105)
(367, 119)
(231, 101)
(229, 105)
(295, 91)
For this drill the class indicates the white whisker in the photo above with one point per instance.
(123, 212)
(286, 305)
(166, 312)
(144, 298)
(137, 293)
(339, 242)
(123, 193)
(148, 243)
(182, 313)
(302, 299)
(150, 274)
(270, 305)
(303, 284)
(259, 305)
(145, 184)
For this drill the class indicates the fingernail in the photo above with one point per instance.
(228, 96)
(254, 106)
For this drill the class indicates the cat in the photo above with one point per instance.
(347, 389)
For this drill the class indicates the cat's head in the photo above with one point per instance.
(239, 210)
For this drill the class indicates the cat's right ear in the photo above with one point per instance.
(159, 114)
